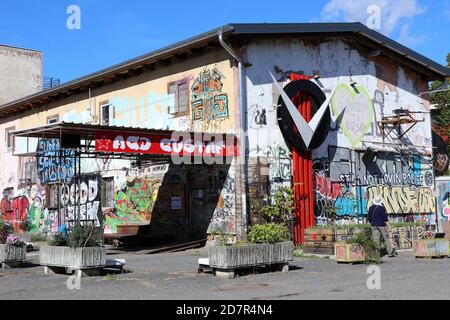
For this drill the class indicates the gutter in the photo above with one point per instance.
(243, 128)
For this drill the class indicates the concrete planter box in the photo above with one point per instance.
(224, 259)
(12, 255)
(432, 248)
(349, 253)
(77, 259)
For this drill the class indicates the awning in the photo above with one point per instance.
(130, 142)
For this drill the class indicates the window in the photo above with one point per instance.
(9, 138)
(108, 192)
(180, 90)
(31, 172)
(53, 119)
(104, 110)
(51, 192)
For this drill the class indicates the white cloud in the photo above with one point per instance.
(395, 14)
(407, 39)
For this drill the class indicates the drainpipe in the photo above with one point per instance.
(243, 127)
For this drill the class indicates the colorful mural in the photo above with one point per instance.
(27, 213)
(208, 101)
(133, 204)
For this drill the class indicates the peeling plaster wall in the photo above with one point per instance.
(20, 73)
(382, 87)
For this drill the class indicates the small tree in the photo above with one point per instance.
(282, 207)
(277, 214)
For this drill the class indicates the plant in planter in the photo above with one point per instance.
(12, 250)
(359, 248)
(269, 243)
(79, 249)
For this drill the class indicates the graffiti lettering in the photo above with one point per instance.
(54, 165)
(403, 200)
(85, 195)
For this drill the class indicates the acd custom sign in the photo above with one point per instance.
(182, 144)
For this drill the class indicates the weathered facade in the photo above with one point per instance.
(195, 87)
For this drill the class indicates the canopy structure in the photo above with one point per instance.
(63, 145)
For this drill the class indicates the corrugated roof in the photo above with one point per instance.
(88, 131)
(209, 37)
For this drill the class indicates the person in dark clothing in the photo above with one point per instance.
(380, 224)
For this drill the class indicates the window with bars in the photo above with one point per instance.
(107, 192)
(105, 112)
(180, 90)
(53, 119)
(51, 192)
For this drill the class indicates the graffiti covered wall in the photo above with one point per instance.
(194, 95)
(364, 91)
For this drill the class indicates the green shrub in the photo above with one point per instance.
(83, 236)
(5, 231)
(282, 207)
(371, 248)
(59, 240)
(224, 238)
(38, 237)
(269, 233)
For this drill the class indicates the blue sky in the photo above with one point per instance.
(113, 31)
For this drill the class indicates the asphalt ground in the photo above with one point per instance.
(174, 276)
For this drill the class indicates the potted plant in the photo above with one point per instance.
(268, 243)
(359, 248)
(12, 250)
(78, 249)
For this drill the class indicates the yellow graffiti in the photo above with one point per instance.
(403, 200)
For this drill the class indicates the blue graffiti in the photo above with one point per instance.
(362, 203)
(53, 164)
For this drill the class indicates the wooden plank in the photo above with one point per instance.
(319, 245)
(326, 251)
(327, 232)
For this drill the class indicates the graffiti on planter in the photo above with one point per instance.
(133, 204)
(403, 199)
(54, 165)
(208, 101)
(402, 236)
(81, 198)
